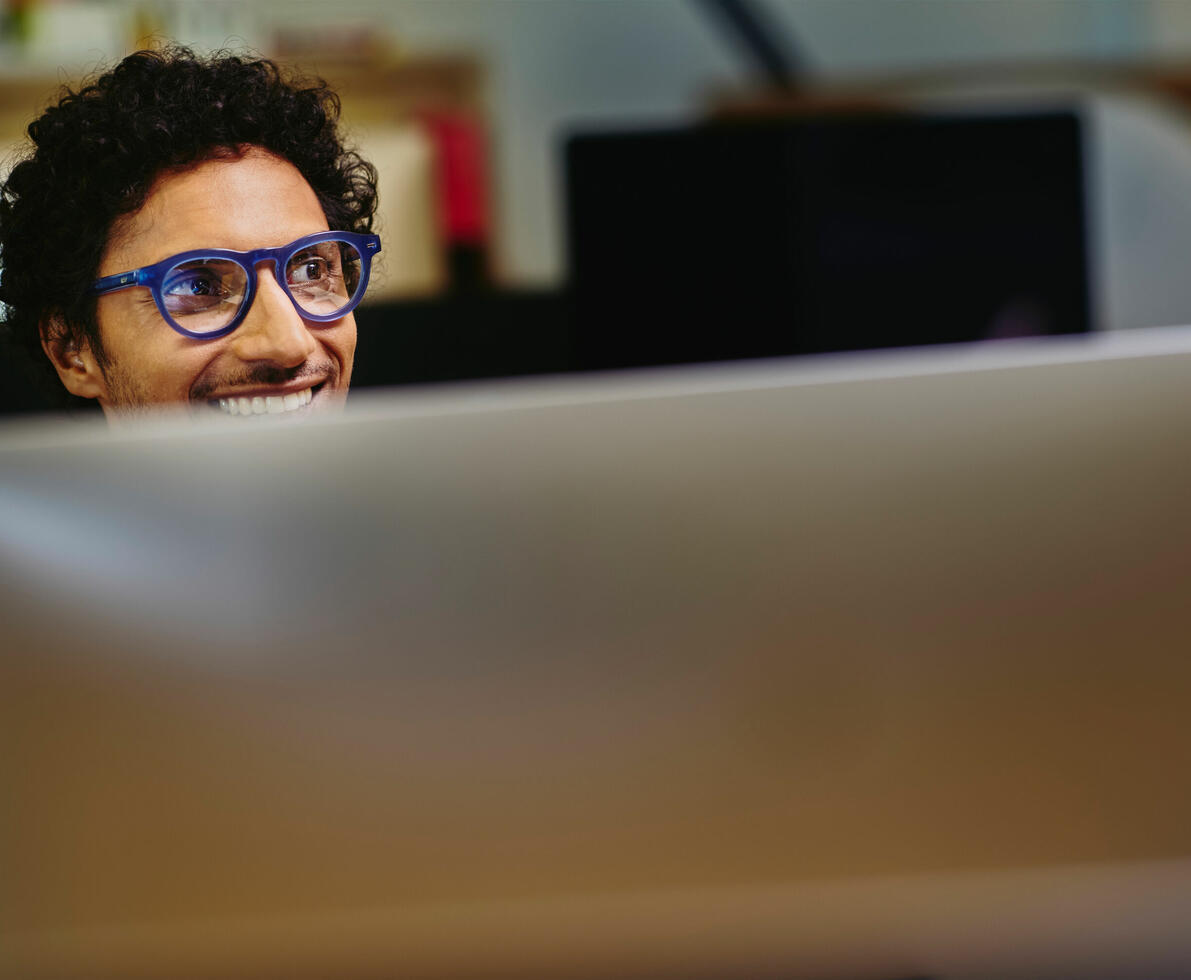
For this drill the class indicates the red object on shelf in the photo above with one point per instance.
(462, 176)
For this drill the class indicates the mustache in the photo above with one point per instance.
(264, 373)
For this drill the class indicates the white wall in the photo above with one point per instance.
(1140, 196)
(861, 36)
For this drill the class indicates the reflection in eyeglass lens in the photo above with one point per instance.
(203, 295)
(323, 277)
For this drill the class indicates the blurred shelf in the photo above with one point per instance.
(372, 90)
(1168, 78)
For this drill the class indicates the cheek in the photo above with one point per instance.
(130, 325)
(148, 357)
(344, 345)
(128, 308)
(160, 375)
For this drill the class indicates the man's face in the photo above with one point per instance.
(253, 201)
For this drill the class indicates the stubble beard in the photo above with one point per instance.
(127, 396)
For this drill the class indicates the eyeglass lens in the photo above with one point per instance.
(204, 295)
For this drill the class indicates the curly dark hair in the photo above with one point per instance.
(97, 153)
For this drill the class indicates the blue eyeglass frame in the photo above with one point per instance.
(153, 275)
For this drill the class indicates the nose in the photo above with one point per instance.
(272, 330)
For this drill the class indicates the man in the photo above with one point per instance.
(190, 231)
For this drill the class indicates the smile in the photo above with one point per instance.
(265, 404)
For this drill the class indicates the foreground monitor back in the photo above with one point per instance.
(871, 666)
(740, 239)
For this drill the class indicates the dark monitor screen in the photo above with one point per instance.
(734, 240)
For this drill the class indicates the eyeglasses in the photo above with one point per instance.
(207, 293)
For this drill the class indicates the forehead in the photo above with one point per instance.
(254, 200)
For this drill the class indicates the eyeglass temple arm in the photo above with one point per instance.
(121, 280)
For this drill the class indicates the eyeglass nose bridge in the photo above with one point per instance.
(249, 265)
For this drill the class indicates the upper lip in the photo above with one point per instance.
(264, 391)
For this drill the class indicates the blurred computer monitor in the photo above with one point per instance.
(755, 238)
(864, 666)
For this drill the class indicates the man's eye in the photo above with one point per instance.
(308, 270)
(196, 284)
(195, 291)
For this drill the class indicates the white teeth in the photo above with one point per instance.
(266, 404)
